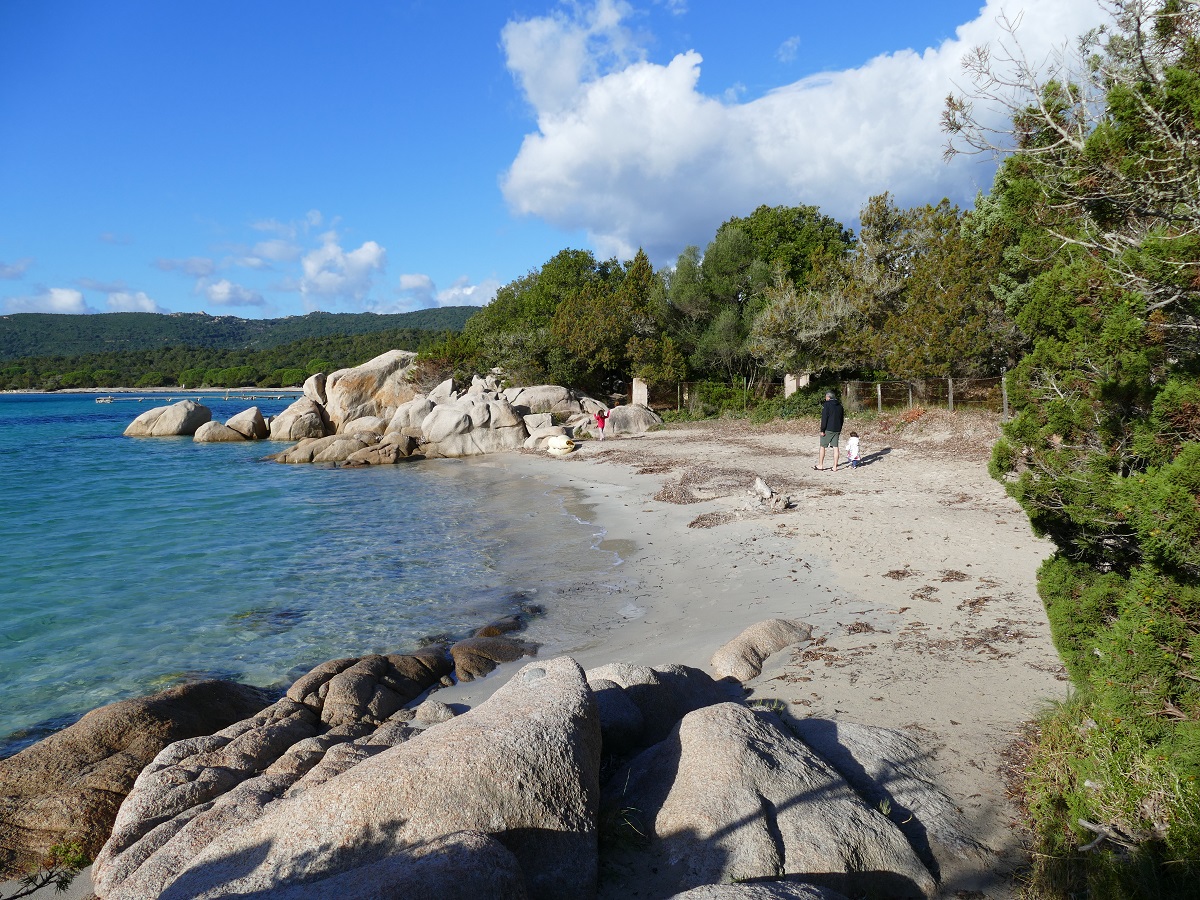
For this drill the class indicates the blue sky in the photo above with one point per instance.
(272, 157)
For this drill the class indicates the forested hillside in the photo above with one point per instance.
(284, 366)
(45, 334)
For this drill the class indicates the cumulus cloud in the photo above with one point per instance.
(132, 301)
(555, 57)
(332, 273)
(265, 254)
(195, 266)
(51, 300)
(16, 269)
(226, 293)
(418, 291)
(632, 152)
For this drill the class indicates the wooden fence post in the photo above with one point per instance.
(950, 382)
(1004, 391)
(879, 397)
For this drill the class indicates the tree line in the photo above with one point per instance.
(45, 334)
(193, 367)
(784, 289)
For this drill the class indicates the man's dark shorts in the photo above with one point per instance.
(830, 438)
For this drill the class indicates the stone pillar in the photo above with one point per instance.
(641, 393)
(789, 385)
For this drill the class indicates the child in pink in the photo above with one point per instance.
(601, 417)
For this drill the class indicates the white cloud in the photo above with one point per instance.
(331, 273)
(418, 291)
(127, 301)
(264, 254)
(196, 266)
(52, 300)
(554, 56)
(227, 293)
(15, 270)
(788, 49)
(637, 156)
(277, 250)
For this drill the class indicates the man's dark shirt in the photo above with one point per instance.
(832, 415)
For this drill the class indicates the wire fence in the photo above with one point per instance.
(711, 397)
(951, 393)
(700, 398)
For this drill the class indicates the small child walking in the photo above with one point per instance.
(852, 453)
(601, 418)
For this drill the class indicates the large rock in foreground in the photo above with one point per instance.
(891, 771)
(70, 785)
(522, 767)
(182, 418)
(730, 794)
(197, 790)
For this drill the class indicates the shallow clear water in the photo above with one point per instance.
(131, 564)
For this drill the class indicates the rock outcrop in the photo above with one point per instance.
(69, 786)
(314, 388)
(216, 433)
(469, 427)
(477, 656)
(303, 419)
(384, 811)
(660, 774)
(630, 420)
(339, 714)
(891, 770)
(376, 388)
(742, 658)
(250, 423)
(182, 418)
(730, 794)
(663, 694)
(410, 414)
(544, 398)
(773, 889)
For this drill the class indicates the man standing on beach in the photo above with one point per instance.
(832, 417)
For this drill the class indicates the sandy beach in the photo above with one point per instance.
(916, 571)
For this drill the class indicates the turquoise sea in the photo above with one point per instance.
(131, 565)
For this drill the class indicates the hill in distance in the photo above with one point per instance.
(53, 334)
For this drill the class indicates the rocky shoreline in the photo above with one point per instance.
(358, 783)
(374, 414)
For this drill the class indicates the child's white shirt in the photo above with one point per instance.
(852, 448)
